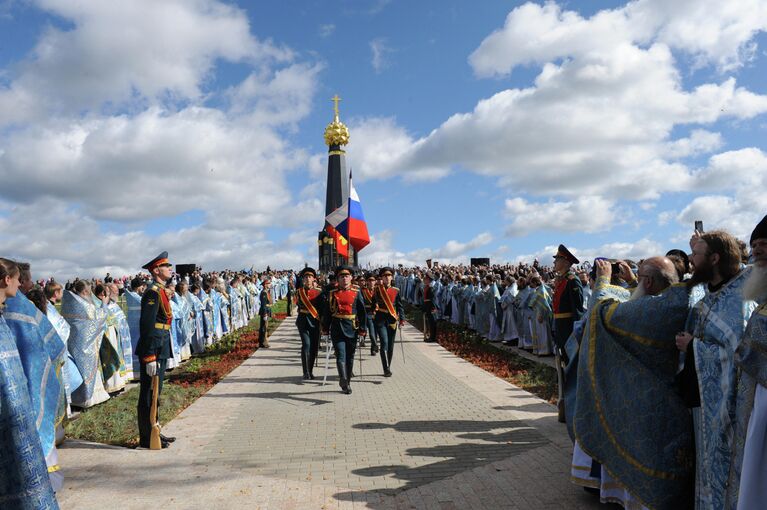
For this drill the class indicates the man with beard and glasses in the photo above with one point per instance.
(747, 484)
(712, 334)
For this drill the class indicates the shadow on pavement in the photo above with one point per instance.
(502, 439)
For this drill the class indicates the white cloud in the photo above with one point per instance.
(381, 251)
(111, 121)
(380, 52)
(327, 30)
(743, 173)
(708, 30)
(61, 241)
(129, 53)
(602, 115)
(584, 214)
(641, 249)
(379, 148)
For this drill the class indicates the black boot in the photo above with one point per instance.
(310, 366)
(304, 364)
(385, 364)
(343, 380)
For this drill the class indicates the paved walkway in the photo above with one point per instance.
(440, 434)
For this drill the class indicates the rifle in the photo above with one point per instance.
(154, 437)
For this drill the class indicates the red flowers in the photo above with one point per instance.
(216, 367)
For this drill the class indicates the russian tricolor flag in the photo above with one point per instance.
(349, 220)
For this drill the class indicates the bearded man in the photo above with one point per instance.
(713, 331)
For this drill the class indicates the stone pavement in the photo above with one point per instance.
(440, 434)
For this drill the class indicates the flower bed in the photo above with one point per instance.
(537, 378)
(114, 421)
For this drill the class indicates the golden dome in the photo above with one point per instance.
(336, 133)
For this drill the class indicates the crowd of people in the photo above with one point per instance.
(661, 362)
(73, 346)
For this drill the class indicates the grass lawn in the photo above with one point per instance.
(114, 421)
(537, 378)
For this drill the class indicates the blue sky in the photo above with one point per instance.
(477, 129)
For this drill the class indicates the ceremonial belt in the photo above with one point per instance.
(344, 316)
(567, 315)
(387, 302)
(160, 325)
(310, 309)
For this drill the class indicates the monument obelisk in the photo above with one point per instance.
(336, 137)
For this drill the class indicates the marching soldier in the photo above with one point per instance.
(368, 294)
(428, 308)
(309, 301)
(344, 318)
(153, 347)
(567, 305)
(389, 313)
(264, 312)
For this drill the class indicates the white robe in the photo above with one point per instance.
(753, 480)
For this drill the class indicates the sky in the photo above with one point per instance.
(478, 129)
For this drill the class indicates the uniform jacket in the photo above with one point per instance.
(265, 298)
(567, 305)
(310, 304)
(383, 313)
(154, 325)
(340, 307)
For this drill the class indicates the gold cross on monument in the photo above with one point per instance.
(335, 100)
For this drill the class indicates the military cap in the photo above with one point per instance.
(385, 270)
(159, 260)
(343, 269)
(370, 275)
(308, 270)
(565, 254)
(681, 254)
(760, 232)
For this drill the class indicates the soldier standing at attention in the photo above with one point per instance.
(264, 312)
(368, 294)
(344, 318)
(389, 313)
(309, 301)
(428, 309)
(153, 348)
(567, 305)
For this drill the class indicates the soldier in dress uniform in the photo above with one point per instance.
(264, 312)
(428, 307)
(344, 318)
(368, 294)
(567, 305)
(359, 281)
(153, 347)
(309, 301)
(389, 314)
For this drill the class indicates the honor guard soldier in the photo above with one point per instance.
(567, 305)
(368, 294)
(428, 307)
(153, 347)
(264, 312)
(309, 301)
(344, 318)
(389, 314)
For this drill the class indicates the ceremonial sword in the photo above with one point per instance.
(327, 357)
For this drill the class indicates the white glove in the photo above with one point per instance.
(151, 368)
